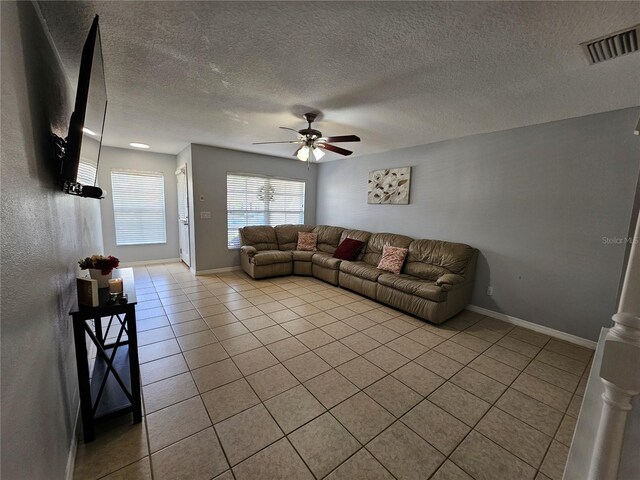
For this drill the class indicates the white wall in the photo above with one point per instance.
(44, 233)
(537, 202)
(208, 177)
(122, 158)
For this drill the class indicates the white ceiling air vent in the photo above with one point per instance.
(612, 46)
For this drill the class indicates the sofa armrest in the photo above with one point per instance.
(248, 250)
(449, 280)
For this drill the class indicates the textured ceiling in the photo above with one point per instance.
(397, 74)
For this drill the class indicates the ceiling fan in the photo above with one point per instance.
(312, 143)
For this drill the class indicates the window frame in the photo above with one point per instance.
(147, 173)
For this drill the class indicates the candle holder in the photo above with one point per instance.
(115, 288)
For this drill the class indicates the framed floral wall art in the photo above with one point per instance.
(389, 186)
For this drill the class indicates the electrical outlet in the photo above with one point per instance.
(490, 290)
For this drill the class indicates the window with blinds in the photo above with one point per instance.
(138, 207)
(86, 172)
(254, 200)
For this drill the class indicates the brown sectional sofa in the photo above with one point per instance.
(435, 283)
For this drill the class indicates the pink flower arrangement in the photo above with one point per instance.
(104, 264)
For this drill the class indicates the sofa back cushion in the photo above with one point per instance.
(356, 235)
(287, 235)
(430, 259)
(328, 237)
(377, 241)
(261, 237)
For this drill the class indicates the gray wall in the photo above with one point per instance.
(122, 158)
(44, 232)
(537, 202)
(208, 177)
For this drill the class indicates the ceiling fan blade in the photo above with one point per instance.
(286, 141)
(333, 148)
(287, 128)
(343, 138)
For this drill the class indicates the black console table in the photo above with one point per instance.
(113, 387)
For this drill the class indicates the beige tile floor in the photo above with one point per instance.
(292, 378)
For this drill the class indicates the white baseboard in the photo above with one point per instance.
(217, 270)
(75, 433)
(73, 449)
(149, 262)
(583, 342)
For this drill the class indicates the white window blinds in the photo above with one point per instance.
(138, 207)
(86, 172)
(253, 200)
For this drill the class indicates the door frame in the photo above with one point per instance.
(182, 170)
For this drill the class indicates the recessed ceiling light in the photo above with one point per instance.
(86, 130)
(139, 145)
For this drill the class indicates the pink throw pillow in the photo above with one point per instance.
(392, 259)
(307, 241)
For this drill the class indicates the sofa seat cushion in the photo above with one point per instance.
(326, 260)
(302, 255)
(414, 286)
(269, 257)
(361, 269)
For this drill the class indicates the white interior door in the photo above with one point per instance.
(183, 215)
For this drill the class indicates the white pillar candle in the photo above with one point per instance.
(115, 285)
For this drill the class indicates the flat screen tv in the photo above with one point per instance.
(82, 146)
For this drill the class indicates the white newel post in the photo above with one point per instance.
(619, 372)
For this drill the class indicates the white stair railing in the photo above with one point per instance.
(619, 372)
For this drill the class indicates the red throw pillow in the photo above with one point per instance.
(348, 249)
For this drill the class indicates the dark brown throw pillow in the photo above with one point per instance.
(348, 249)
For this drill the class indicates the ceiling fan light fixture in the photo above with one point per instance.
(317, 153)
(312, 143)
(303, 153)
